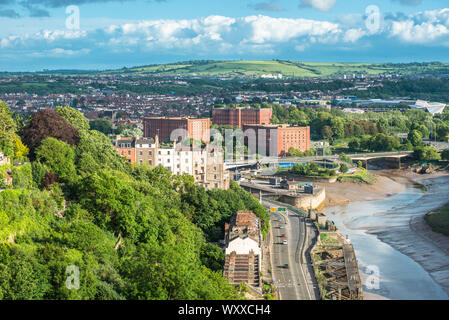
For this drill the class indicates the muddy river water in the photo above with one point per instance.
(394, 261)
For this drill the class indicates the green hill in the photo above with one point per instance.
(286, 68)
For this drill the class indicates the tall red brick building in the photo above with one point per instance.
(282, 137)
(198, 129)
(237, 117)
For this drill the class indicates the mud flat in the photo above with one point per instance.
(341, 193)
(416, 239)
(385, 223)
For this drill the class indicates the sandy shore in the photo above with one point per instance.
(415, 239)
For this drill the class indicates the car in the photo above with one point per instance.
(285, 241)
(283, 235)
(286, 266)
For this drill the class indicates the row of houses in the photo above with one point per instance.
(205, 164)
(243, 241)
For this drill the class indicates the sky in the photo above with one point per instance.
(108, 34)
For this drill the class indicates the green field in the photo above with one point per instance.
(439, 220)
(286, 68)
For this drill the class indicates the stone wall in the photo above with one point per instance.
(304, 201)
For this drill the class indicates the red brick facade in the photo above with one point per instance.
(237, 117)
(286, 137)
(198, 129)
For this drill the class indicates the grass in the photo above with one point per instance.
(286, 68)
(363, 176)
(439, 220)
(326, 238)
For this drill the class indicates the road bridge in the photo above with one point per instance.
(365, 156)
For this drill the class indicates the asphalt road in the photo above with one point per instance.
(295, 282)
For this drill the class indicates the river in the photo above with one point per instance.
(384, 243)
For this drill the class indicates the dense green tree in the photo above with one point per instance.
(58, 157)
(426, 153)
(74, 118)
(7, 130)
(102, 125)
(45, 124)
(445, 155)
(22, 177)
(415, 137)
(344, 168)
(95, 151)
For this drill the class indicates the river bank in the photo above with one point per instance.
(391, 211)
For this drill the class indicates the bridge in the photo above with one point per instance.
(363, 157)
(393, 160)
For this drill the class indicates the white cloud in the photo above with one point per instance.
(322, 5)
(58, 53)
(267, 29)
(428, 27)
(203, 36)
(353, 35)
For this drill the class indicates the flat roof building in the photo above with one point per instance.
(279, 138)
(237, 117)
(164, 127)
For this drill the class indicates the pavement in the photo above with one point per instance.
(297, 281)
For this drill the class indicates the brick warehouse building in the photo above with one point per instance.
(198, 129)
(237, 117)
(286, 137)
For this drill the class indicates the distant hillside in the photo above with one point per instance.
(286, 68)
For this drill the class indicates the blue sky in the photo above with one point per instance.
(112, 34)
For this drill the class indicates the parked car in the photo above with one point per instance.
(283, 235)
(285, 241)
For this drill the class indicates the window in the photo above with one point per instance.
(141, 153)
(129, 152)
(150, 153)
(150, 162)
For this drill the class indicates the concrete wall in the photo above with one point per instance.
(304, 201)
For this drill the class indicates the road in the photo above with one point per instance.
(295, 282)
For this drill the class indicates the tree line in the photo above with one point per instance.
(133, 233)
